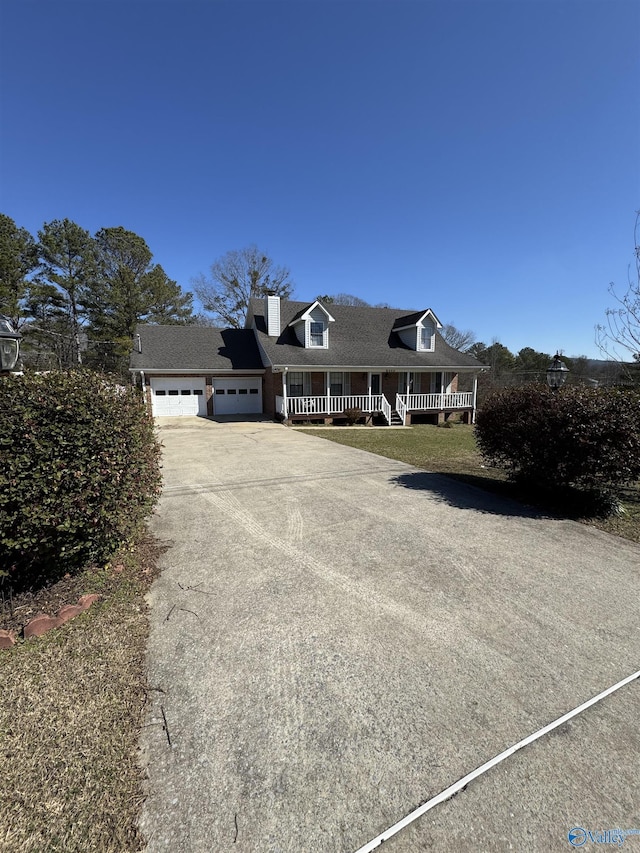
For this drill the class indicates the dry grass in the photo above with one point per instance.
(454, 452)
(72, 707)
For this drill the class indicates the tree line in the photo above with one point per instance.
(76, 297)
(530, 365)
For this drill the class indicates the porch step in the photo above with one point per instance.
(396, 420)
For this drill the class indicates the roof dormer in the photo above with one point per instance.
(418, 330)
(312, 326)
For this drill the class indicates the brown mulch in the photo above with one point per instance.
(16, 610)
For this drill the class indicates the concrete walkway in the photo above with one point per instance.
(337, 637)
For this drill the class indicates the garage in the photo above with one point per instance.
(178, 396)
(240, 395)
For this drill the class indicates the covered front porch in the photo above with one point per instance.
(396, 397)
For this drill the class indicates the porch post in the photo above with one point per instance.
(473, 401)
(284, 392)
(327, 376)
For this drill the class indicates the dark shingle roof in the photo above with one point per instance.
(360, 336)
(408, 319)
(195, 348)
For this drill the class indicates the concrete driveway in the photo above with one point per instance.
(337, 637)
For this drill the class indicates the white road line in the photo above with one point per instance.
(462, 783)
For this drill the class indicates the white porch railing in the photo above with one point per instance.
(368, 403)
(401, 409)
(439, 402)
(386, 409)
(329, 405)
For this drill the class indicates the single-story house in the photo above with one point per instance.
(301, 361)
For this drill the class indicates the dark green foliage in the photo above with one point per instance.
(67, 254)
(353, 415)
(532, 363)
(79, 472)
(77, 299)
(18, 260)
(128, 289)
(500, 359)
(577, 438)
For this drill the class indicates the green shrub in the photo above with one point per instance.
(79, 472)
(578, 437)
(353, 415)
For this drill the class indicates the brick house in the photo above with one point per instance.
(301, 361)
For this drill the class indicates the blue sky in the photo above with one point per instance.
(480, 158)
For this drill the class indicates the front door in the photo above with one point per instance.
(376, 383)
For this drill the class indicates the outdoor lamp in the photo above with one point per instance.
(9, 345)
(557, 373)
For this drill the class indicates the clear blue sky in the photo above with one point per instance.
(480, 158)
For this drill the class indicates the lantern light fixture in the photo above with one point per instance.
(557, 373)
(9, 345)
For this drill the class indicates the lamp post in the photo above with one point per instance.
(9, 345)
(557, 373)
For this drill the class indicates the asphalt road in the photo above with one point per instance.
(337, 637)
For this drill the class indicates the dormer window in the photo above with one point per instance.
(316, 334)
(417, 331)
(312, 326)
(427, 336)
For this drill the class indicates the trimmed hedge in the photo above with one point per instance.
(79, 472)
(578, 437)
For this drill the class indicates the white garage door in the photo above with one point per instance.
(239, 396)
(179, 396)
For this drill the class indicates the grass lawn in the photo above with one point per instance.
(453, 452)
(72, 706)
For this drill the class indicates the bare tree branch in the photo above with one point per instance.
(343, 299)
(620, 335)
(458, 339)
(236, 277)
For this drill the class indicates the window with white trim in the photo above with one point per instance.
(427, 336)
(295, 383)
(339, 384)
(316, 333)
(336, 381)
